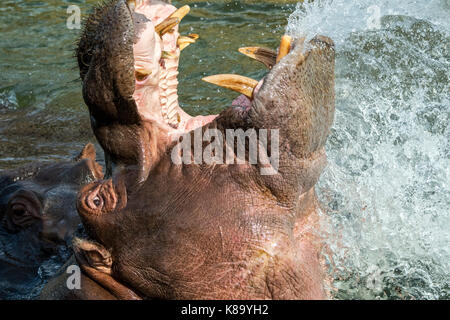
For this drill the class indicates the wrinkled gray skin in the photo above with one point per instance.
(160, 230)
(38, 211)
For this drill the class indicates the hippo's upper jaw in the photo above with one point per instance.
(200, 230)
(128, 58)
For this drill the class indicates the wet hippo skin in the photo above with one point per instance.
(38, 211)
(158, 229)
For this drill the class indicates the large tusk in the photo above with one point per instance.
(285, 47)
(266, 56)
(234, 82)
(184, 41)
(171, 21)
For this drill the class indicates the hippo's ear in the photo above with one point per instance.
(88, 152)
(92, 255)
(96, 263)
(86, 169)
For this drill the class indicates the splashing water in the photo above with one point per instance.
(385, 191)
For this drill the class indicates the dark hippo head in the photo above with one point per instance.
(210, 219)
(37, 206)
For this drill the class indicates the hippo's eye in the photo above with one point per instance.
(19, 210)
(21, 213)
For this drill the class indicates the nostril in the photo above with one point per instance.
(18, 210)
(94, 200)
(98, 198)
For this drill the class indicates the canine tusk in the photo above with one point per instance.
(266, 56)
(234, 82)
(171, 21)
(285, 47)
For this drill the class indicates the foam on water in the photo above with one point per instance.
(385, 191)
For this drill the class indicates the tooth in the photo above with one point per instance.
(264, 55)
(285, 47)
(166, 26)
(141, 74)
(171, 21)
(168, 55)
(184, 41)
(181, 13)
(143, 71)
(234, 82)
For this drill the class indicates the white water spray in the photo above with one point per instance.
(386, 189)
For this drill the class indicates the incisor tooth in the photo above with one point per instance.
(168, 55)
(266, 56)
(184, 41)
(234, 82)
(141, 74)
(285, 47)
(171, 21)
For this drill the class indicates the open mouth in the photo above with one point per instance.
(156, 53)
(128, 55)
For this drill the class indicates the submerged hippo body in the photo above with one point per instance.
(38, 211)
(161, 229)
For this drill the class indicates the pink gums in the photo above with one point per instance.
(157, 95)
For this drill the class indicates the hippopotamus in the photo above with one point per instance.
(38, 212)
(167, 223)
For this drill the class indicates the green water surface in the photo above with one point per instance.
(42, 113)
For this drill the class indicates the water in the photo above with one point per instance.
(385, 191)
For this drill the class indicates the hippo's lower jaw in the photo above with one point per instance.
(194, 230)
